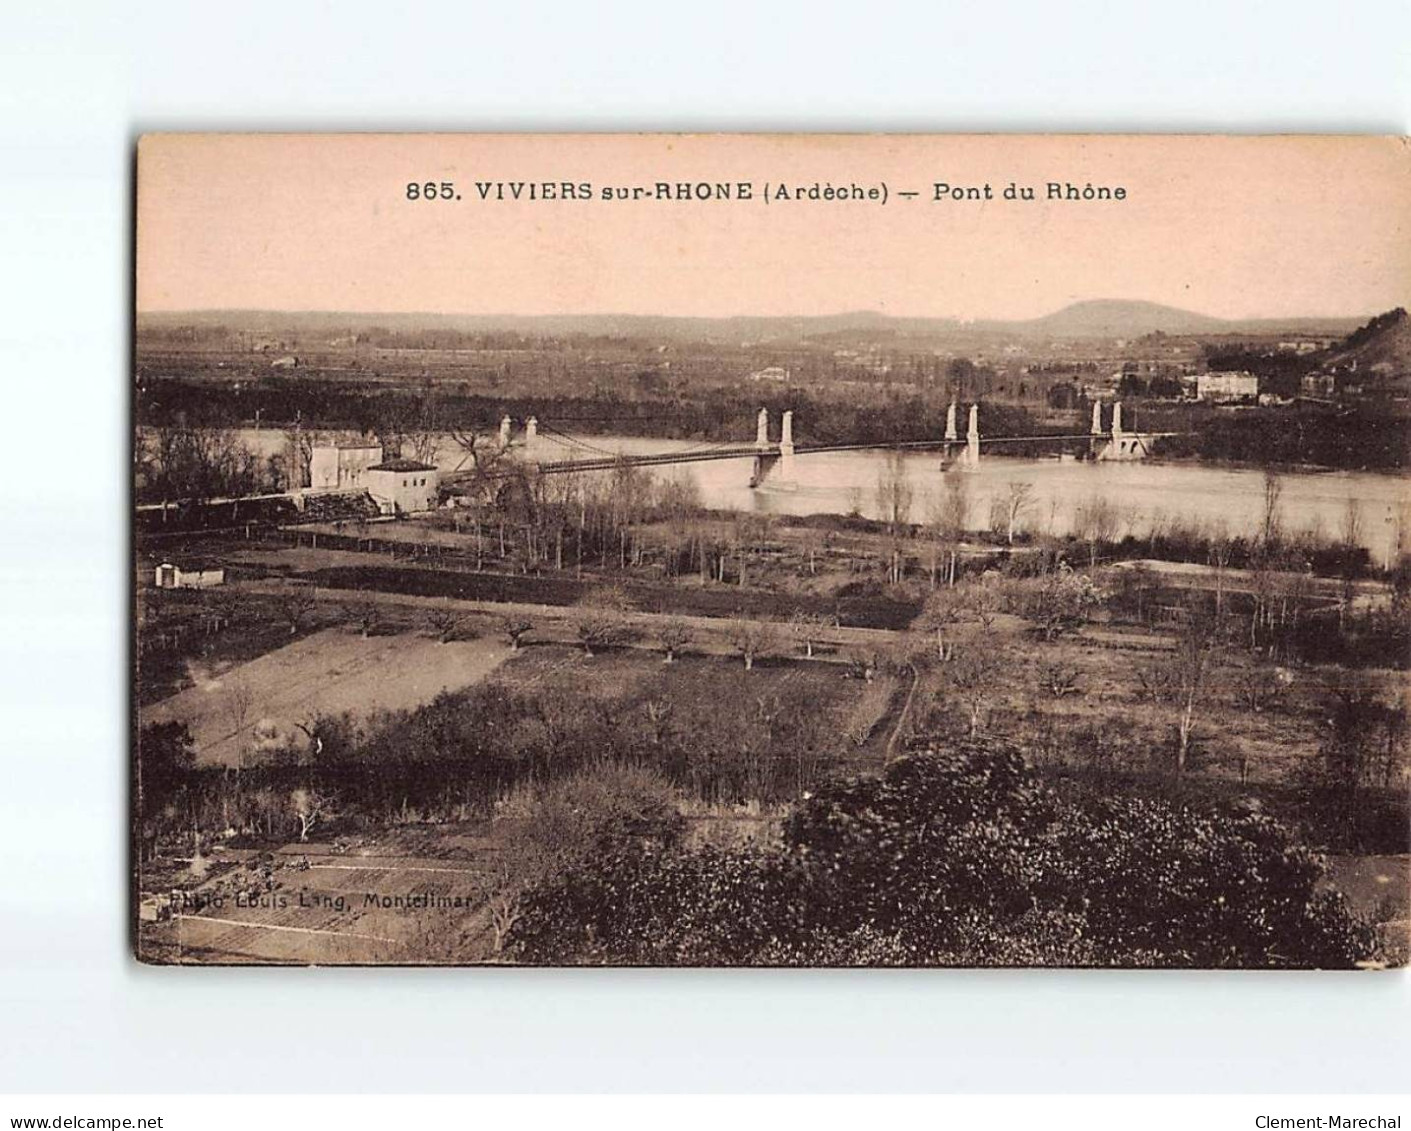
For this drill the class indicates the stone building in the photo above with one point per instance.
(402, 486)
(342, 467)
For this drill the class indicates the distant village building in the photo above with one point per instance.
(341, 467)
(1319, 384)
(1227, 386)
(289, 361)
(171, 576)
(770, 373)
(402, 486)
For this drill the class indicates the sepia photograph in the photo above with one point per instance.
(779, 550)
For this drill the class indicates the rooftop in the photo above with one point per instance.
(402, 465)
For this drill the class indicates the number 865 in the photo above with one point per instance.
(446, 190)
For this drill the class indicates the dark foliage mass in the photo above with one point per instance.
(865, 612)
(1357, 438)
(960, 855)
(455, 756)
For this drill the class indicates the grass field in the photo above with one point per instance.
(1270, 743)
(264, 700)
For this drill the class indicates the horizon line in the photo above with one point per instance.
(842, 313)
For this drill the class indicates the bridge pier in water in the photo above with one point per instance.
(767, 454)
(764, 459)
(971, 459)
(1118, 444)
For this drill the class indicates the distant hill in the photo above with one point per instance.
(1097, 318)
(1382, 343)
(1114, 318)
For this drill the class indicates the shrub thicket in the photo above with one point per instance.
(960, 856)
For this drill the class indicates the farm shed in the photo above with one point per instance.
(171, 576)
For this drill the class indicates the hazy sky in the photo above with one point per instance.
(1225, 226)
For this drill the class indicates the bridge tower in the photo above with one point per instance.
(972, 438)
(765, 457)
(531, 430)
(952, 437)
(505, 425)
(1097, 418)
(786, 446)
(1123, 445)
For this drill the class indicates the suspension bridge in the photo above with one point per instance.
(1101, 442)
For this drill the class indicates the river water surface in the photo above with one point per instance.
(1146, 494)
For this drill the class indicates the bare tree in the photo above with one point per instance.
(972, 675)
(658, 719)
(952, 516)
(1190, 673)
(505, 911)
(863, 663)
(425, 428)
(894, 499)
(311, 808)
(445, 621)
(1063, 602)
(300, 443)
(1273, 493)
(1220, 550)
(1259, 686)
(750, 638)
(810, 628)
(1352, 523)
(943, 611)
(1154, 682)
(1060, 680)
(982, 599)
(240, 702)
(894, 493)
(296, 606)
(1365, 746)
(367, 615)
(515, 629)
(1021, 495)
(1095, 522)
(599, 628)
(390, 426)
(221, 609)
(673, 635)
(186, 462)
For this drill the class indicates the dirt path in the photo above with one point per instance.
(903, 715)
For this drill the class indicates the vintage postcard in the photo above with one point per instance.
(772, 550)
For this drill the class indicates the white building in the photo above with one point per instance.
(1227, 386)
(339, 467)
(174, 577)
(402, 486)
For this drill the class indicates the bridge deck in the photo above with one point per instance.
(745, 451)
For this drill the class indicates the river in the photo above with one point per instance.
(1146, 494)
